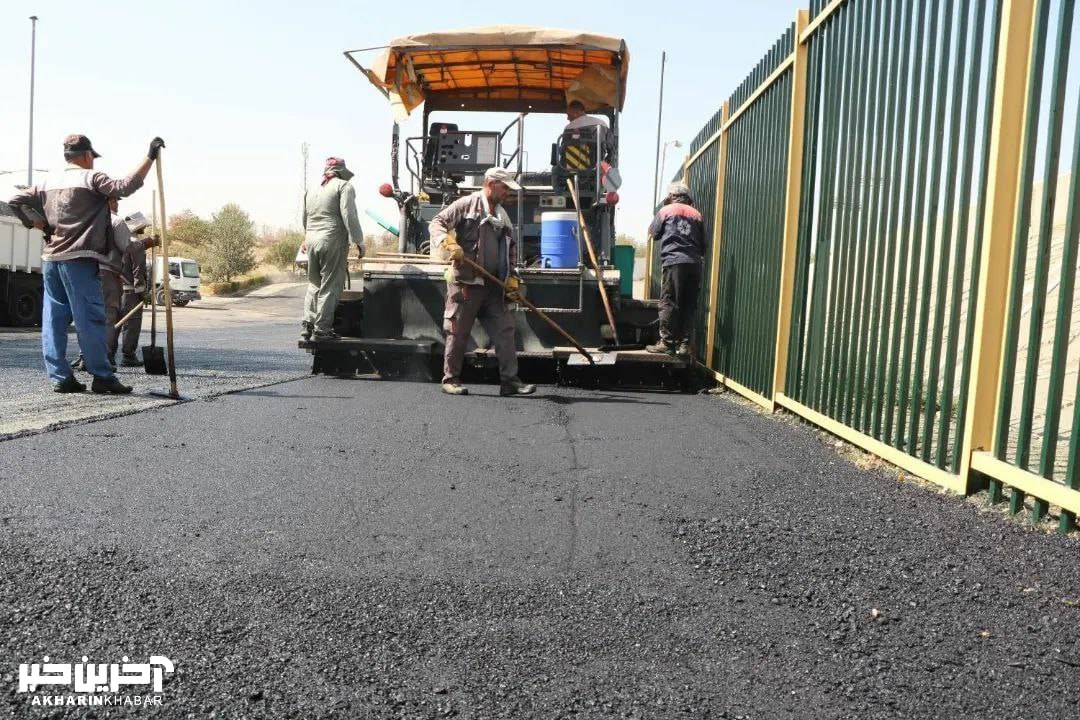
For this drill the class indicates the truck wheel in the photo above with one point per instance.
(24, 306)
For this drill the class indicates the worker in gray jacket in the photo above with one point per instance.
(330, 224)
(478, 227)
(71, 209)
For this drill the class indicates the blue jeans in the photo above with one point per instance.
(73, 292)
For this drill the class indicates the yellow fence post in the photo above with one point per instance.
(648, 266)
(1011, 88)
(717, 241)
(792, 206)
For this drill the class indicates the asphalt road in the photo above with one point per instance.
(222, 345)
(355, 548)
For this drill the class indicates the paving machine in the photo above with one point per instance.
(393, 324)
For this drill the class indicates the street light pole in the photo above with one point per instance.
(663, 166)
(659, 118)
(33, 52)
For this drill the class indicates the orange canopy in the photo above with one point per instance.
(501, 67)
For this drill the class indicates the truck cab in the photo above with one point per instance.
(184, 280)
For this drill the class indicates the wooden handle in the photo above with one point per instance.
(538, 311)
(132, 311)
(595, 264)
(165, 276)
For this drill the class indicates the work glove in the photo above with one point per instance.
(152, 241)
(513, 289)
(155, 147)
(452, 251)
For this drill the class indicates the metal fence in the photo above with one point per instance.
(887, 254)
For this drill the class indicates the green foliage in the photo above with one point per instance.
(624, 239)
(231, 249)
(283, 248)
(188, 229)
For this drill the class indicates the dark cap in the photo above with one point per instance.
(79, 143)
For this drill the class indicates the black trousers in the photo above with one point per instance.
(679, 287)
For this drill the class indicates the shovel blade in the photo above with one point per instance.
(598, 358)
(154, 360)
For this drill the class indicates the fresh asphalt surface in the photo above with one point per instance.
(355, 548)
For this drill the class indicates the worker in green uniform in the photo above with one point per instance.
(330, 224)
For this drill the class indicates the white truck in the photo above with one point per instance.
(20, 271)
(183, 280)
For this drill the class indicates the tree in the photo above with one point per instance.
(282, 251)
(231, 250)
(624, 239)
(189, 229)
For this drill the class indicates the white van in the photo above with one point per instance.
(183, 280)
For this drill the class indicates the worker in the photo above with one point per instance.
(575, 114)
(73, 211)
(680, 231)
(121, 245)
(133, 277)
(330, 223)
(478, 227)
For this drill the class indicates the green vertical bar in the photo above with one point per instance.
(980, 219)
(873, 214)
(888, 270)
(839, 200)
(961, 209)
(1062, 43)
(941, 91)
(823, 260)
(902, 259)
(955, 141)
(759, 241)
(853, 211)
(1019, 260)
(744, 282)
(780, 111)
(926, 133)
(795, 382)
(869, 207)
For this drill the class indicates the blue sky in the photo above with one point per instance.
(236, 88)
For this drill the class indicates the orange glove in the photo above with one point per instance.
(513, 289)
(452, 251)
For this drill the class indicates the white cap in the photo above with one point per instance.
(678, 188)
(503, 176)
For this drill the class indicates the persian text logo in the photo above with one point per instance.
(87, 677)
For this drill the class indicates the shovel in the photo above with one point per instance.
(171, 367)
(153, 357)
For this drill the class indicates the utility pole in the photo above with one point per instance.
(303, 217)
(659, 117)
(30, 151)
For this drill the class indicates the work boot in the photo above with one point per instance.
(661, 348)
(683, 349)
(328, 336)
(109, 385)
(453, 388)
(68, 385)
(305, 332)
(130, 361)
(514, 386)
(79, 363)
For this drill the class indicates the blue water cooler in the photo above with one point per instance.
(559, 243)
